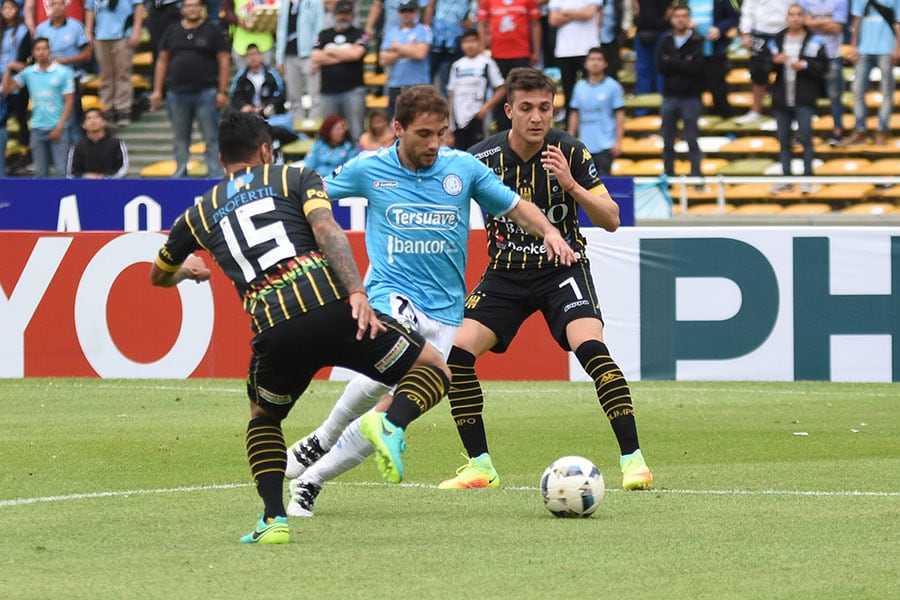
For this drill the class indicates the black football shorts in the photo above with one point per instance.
(287, 356)
(502, 300)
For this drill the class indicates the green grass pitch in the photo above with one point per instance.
(140, 489)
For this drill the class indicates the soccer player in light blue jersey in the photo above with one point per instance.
(417, 230)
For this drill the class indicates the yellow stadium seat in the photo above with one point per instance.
(91, 101)
(308, 126)
(372, 79)
(843, 191)
(752, 145)
(843, 166)
(166, 168)
(619, 165)
(869, 208)
(142, 60)
(758, 208)
(738, 76)
(197, 148)
(373, 101)
(753, 192)
(807, 208)
(709, 208)
(644, 124)
(652, 146)
(884, 166)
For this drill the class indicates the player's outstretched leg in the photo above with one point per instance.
(266, 452)
(350, 450)
(615, 399)
(417, 392)
(466, 406)
(360, 395)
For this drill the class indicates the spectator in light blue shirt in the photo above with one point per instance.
(405, 52)
(332, 147)
(69, 46)
(827, 18)
(50, 86)
(597, 112)
(874, 42)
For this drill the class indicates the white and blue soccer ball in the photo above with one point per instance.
(572, 487)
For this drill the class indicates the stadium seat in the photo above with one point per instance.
(824, 124)
(884, 166)
(91, 101)
(643, 101)
(796, 166)
(751, 145)
(710, 144)
(308, 126)
(166, 168)
(644, 124)
(843, 191)
(748, 192)
(375, 80)
(807, 208)
(892, 193)
(710, 208)
(373, 102)
(843, 166)
(869, 208)
(708, 193)
(746, 167)
(142, 60)
(650, 167)
(647, 146)
(197, 148)
(297, 148)
(619, 165)
(737, 77)
(758, 208)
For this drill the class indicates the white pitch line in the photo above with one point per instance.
(229, 486)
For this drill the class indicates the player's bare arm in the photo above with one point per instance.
(193, 268)
(530, 218)
(600, 207)
(334, 244)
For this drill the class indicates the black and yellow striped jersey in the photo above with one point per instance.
(254, 225)
(509, 246)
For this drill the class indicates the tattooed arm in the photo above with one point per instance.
(336, 247)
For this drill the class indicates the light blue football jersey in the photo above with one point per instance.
(417, 224)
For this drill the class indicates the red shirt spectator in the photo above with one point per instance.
(511, 25)
(38, 11)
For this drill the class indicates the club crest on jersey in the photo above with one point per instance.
(453, 185)
(525, 192)
(237, 183)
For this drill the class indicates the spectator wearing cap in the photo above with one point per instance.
(299, 22)
(405, 52)
(338, 54)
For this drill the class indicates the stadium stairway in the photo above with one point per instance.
(149, 141)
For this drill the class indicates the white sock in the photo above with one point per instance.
(350, 450)
(360, 395)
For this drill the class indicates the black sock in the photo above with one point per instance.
(417, 392)
(612, 392)
(267, 454)
(467, 402)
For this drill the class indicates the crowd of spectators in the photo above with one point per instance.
(309, 64)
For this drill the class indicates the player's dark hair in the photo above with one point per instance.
(527, 79)
(240, 135)
(417, 100)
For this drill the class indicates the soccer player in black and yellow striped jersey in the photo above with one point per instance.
(272, 232)
(556, 172)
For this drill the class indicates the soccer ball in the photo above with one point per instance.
(572, 487)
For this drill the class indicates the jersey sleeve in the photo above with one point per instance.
(312, 191)
(583, 168)
(179, 245)
(489, 191)
(344, 181)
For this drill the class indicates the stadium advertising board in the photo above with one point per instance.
(766, 303)
(72, 205)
